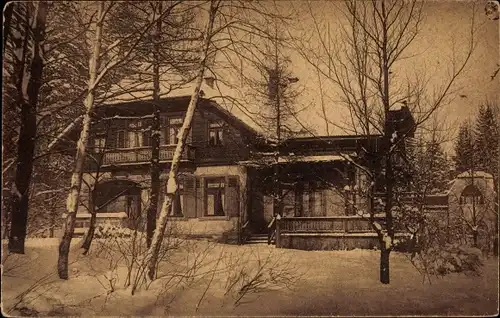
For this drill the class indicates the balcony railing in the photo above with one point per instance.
(334, 224)
(143, 154)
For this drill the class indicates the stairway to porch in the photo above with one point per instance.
(259, 239)
(259, 234)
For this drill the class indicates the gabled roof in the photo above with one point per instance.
(146, 106)
(180, 102)
(475, 174)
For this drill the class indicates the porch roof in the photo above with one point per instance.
(270, 160)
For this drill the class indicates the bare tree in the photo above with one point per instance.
(28, 38)
(105, 58)
(171, 186)
(274, 89)
(363, 68)
(225, 39)
(167, 54)
(96, 159)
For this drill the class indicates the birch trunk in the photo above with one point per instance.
(93, 196)
(93, 217)
(76, 179)
(171, 186)
(28, 87)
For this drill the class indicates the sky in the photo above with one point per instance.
(446, 25)
(444, 35)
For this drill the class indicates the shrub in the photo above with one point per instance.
(108, 230)
(450, 258)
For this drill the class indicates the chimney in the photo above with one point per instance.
(210, 81)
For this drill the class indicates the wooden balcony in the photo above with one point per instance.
(143, 155)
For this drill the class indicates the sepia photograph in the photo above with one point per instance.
(247, 158)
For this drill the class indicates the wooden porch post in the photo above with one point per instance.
(278, 232)
(299, 198)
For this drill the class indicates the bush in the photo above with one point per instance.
(108, 230)
(450, 258)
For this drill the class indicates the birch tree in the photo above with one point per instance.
(106, 57)
(76, 179)
(363, 65)
(96, 159)
(226, 39)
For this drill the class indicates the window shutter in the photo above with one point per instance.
(232, 197)
(200, 199)
(189, 208)
(146, 138)
(120, 139)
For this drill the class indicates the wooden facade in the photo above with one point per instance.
(226, 180)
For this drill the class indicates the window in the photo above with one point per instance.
(289, 202)
(316, 200)
(146, 138)
(174, 126)
(215, 197)
(471, 195)
(120, 139)
(215, 133)
(471, 200)
(134, 139)
(99, 144)
(178, 204)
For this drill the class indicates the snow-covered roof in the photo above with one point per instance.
(324, 158)
(269, 160)
(183, 92)
(475, 174)
(214, 90)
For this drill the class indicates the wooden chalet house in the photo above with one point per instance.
(226, 176)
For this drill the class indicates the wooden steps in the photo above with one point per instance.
(258, 239)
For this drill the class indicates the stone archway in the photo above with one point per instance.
(471, 195)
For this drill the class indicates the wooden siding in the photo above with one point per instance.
(233, 149)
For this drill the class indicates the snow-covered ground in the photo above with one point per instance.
(328, 283)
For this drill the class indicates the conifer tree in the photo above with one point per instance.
(464, 148)
(486, 140)
(436, 167)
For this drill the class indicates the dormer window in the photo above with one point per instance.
(216, 133)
